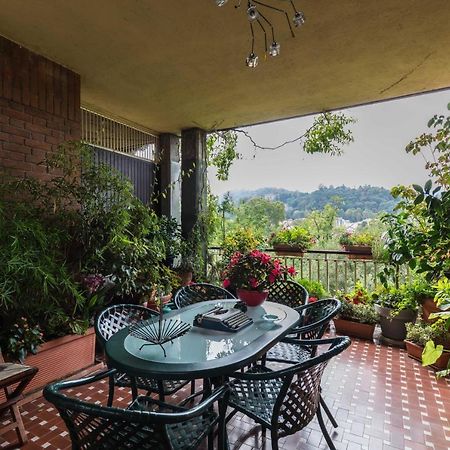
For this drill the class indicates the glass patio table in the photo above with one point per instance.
(201, 353)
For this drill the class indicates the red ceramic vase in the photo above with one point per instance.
(252, 298)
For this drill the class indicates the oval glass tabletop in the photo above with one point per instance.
(202, 352)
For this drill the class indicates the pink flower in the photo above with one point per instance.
(276, 272)
(272, 278)
(265, 258)
(255, 254)
(253, 282)
(291, 270)
(226, 283)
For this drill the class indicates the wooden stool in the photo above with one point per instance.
(13, 380)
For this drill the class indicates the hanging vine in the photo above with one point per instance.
(327, 135)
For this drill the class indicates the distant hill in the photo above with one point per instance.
(354, 204)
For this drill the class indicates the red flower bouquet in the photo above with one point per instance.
(254, 271)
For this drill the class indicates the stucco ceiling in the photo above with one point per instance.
(174, 64)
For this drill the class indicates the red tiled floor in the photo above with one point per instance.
(382, 400)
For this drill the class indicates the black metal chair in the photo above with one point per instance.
(314, 320)
(145, 424)
(200, 292)
(288, 293)
(109, 322)
(285, 401)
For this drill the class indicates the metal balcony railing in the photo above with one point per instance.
(337, 270)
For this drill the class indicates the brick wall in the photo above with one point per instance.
(39, 109)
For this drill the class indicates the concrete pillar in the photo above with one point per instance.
(170, 203)
(193, 184)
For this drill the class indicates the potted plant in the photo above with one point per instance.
(419, 335)
(315, 288)
(358, 244)
(291, 241)
(57, 238)
(357, 316)
(395, 307)
(252, 273)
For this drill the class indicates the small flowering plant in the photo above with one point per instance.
(254, 271)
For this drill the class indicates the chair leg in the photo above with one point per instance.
(274, 438)
(324, 429)
(328, 412)
(111, 390)
(20, 428)
(161, 394)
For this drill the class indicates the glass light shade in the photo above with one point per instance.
(274, 49)
(252, 13)
(299, 19)
(252, 60)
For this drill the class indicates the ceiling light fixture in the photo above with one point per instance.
(256, 14)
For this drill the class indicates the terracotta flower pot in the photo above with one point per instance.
(288, 250)
(62, 357)
(429, 307)
(415, 351)
(355, 329)
(358, 251)
(394, 328)
(252, 298)
(185, 278)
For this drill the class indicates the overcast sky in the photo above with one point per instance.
(376, 157)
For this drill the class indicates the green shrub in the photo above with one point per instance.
(315, 288)
(294, 236)
(362, 313)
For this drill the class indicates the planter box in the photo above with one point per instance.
(358, 251)
(61, 357)
(355, 329)
(394, 328)
(288, 250)
(415, 352)
(428, 307)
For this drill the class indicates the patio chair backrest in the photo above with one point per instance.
(200, 292)
(315, 317)
(97, 427)
(115, 318)
(299, 396)
(288, 293)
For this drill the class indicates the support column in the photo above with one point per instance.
(193, 184)
(169, 175)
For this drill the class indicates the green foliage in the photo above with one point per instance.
(420, 332)
(242, 240)
(354, 204)
(419, 230)
(362, 313)
(361, 238)
(21, 339)
(442, 296)
(321, 223)
(261, 214)
(55, 235)
(435, 148)
(328, 134)
(221, 151)
(315, 288)
(406, 296)
(293, 236)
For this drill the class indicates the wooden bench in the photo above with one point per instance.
(13, 380)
